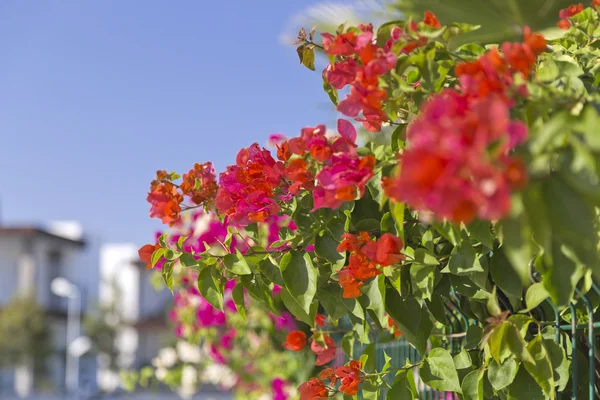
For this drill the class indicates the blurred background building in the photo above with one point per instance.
(114, 289)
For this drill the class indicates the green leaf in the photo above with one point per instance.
(348, 344)
(547, 70)
(541, 368)
(306, 54)
(167, 274)
(498, 344)
(259, 290)
(331, 91)
(398, 138)
(187, 260)
(271, 271)
(237, 264)
(568, 66)
(210, 288)
(560, 363)
(308, 317)
(474, 336)
(397, 210)
(300, 277)
(464, 261)
(422, 279)
(472, 385)
(515, 235)
(462, 360)
(502, 375)
(330, 295)
(492, 304)
(412, 318)
(504, 275)
(401, 388)
(157, 255)
(516, 343)
(572, 221)
(180, 242)
(425, 256)
(375, 298)
(525, 387)
(535, 295)
(438, 371)
(238, 298)
(326, 247)
(482, 232)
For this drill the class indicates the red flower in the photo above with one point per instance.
(388, 250)
(200, 183)
(349, 376)
(350, 285)
(328, 373)
(247, 190)
(516, 173)
(568, 12)
(145, 253)
(324, 353)
(595, 3)
(295, 341)
(431, 20)
(314, 389)
(448, 167)
(297, 171)
(320, 319)
(165, 200)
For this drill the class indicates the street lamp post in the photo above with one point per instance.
(63, 288)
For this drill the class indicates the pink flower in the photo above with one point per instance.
(285, 321)
(276, 139)
(227, 339)
(341, 180)
(247, 190)
(341, 73)
(449, 168)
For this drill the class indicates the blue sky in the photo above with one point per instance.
(95, 96)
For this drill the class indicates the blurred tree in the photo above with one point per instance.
(24, 334)
(500, 20)
(102, 327)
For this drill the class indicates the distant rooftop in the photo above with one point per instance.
(37, 231)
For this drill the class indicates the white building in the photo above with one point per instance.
(141, 306)
(30, 258)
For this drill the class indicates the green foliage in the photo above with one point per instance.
(24, 334)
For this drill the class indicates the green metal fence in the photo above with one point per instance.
(580, 332)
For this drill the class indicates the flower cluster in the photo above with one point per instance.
(361, 65)
(348, 376)
(165, 196)
(366, 256)
(200, 184)
(322, 345)
(457, 163)
(360, 62)
(164, 199)
(567, 13)
(342, 175)
(247, 190)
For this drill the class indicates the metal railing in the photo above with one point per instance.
(581, 331)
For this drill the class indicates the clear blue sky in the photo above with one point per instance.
(95, 96)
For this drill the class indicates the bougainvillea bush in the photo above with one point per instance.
(486, 195)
